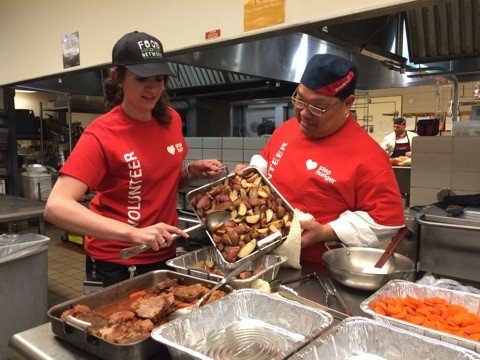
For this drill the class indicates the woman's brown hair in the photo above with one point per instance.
(114, 95)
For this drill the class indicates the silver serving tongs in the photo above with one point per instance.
(332, 291)
(206, 296)
(213, 219)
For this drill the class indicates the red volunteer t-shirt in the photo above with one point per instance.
(134, 166)
(325, 177)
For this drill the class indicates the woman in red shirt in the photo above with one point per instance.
(132, 157)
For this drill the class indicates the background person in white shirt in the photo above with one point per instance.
(399, 142)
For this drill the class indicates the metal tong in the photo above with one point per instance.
(330, 290)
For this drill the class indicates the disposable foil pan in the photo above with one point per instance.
(357, 336)
(246, 324)
(105, 349)
(257, 253)
(186, 264)
(400, 288)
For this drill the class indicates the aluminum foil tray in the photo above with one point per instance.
(400, 288)
(246, 324)
(356, 337)
(105, 349)
(185, 264)
(257, 253)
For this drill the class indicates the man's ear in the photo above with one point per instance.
(349, 102)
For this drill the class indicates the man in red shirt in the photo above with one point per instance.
(325, 164)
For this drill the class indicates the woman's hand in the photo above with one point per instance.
(158, 235)
(205, 169)
(314, 232)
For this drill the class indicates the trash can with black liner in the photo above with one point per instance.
(23, 285)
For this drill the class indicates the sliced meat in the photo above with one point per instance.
(128, 332)
(164, 284)
(84, 313)
(189, 293)
(76, 309)
(121, 317)
(217, 294)
(154, 307)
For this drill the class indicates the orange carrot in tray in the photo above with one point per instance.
(434, 313)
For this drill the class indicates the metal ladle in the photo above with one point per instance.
(212, 219)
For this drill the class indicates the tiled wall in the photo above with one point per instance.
(229, 150)
(444, 162)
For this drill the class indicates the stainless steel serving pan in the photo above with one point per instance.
(101, 347)
(346, 265)
(186, 264)
(257, 253)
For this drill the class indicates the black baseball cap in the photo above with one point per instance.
(330, 75)
(399, 121)
(142, 54)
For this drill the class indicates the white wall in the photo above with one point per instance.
(31, 30)
(31, 101)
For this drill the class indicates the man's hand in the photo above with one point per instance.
(314, 232)
(239, 168)
(206, 169)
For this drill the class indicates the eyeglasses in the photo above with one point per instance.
(299, 104)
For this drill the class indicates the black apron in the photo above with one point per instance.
(401, 149)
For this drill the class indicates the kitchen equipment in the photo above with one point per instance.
(404, 232)
(246, 324)
(291, 294)
(428, 127)
(399, 288)
(188, 264)
(260, 251)
(449, 245)
(213, 219)
(205, 297)
(358, 337)
(347, 266)
(100, 347)
(332, 291)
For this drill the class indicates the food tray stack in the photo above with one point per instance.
(246, 324)
(187, 264)
(399, 288)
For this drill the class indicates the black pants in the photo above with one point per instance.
(110, 273)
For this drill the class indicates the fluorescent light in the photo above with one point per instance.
(25, 91)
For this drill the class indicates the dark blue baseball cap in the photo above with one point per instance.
(330, 75)
(400, 121)
(142, 54)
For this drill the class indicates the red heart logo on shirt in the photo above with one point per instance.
(311, 165)
(171, 149)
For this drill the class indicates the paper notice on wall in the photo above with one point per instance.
(258, 14)
(71, 50)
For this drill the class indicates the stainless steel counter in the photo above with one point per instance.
(17, 208)
(40, 343)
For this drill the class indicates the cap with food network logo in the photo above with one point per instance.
(142, 54)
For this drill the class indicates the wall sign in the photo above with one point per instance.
(71, 50)
(258, 14)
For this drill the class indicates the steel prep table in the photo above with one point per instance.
(17, 208)
(40, 343)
